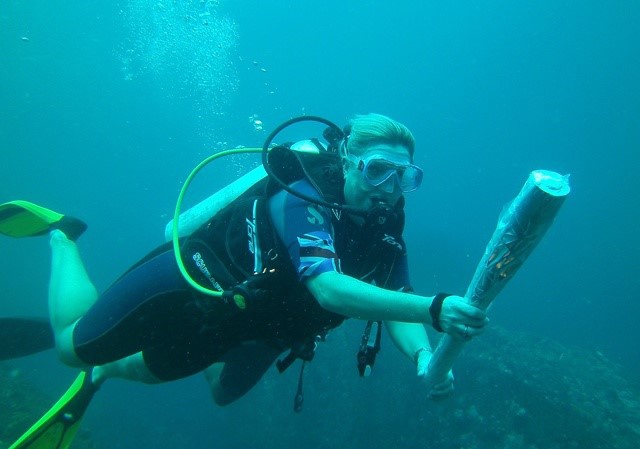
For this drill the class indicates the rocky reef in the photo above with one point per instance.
(536, 393)
(512, 391)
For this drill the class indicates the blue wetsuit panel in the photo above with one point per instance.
(306, 231)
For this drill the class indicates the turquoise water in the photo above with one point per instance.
(105, 109)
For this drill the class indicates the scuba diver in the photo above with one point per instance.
(317, 241)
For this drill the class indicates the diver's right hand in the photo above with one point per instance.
(460, 319)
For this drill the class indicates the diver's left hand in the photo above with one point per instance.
(440, 390)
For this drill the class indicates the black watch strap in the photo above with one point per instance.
(435, 308)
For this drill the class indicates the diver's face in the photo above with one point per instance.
(359, 192)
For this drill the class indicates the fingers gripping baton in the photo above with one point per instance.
(521, 226)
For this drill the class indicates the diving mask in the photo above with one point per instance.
(377, 169)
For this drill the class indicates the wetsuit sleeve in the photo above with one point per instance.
(306, 231)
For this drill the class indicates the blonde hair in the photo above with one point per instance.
(369, 129)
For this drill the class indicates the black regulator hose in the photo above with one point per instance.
(281, 184)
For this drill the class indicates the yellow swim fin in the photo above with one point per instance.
(24, 219)
(56, 429)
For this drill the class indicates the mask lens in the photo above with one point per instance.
(411, 178)
(377, 171)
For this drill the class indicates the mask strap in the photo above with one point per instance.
(345, 141)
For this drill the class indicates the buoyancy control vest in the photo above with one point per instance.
(238, 250)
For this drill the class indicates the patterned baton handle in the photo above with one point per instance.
(521, 226)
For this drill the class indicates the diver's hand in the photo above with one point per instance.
(440, 390)
(460, 319)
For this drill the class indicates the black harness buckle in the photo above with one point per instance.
(304, 350)
(369, 348)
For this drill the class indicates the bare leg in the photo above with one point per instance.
(212, 374)
(71, 294)
(130, 368)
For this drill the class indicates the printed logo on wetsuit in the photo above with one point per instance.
(314, 217)
(202, 266)
(251, 236)
(392, 241)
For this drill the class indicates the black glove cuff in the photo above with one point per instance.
(435, 308)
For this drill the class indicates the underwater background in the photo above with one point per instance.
(105, 108)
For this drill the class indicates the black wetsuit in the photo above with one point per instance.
(151, 308)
